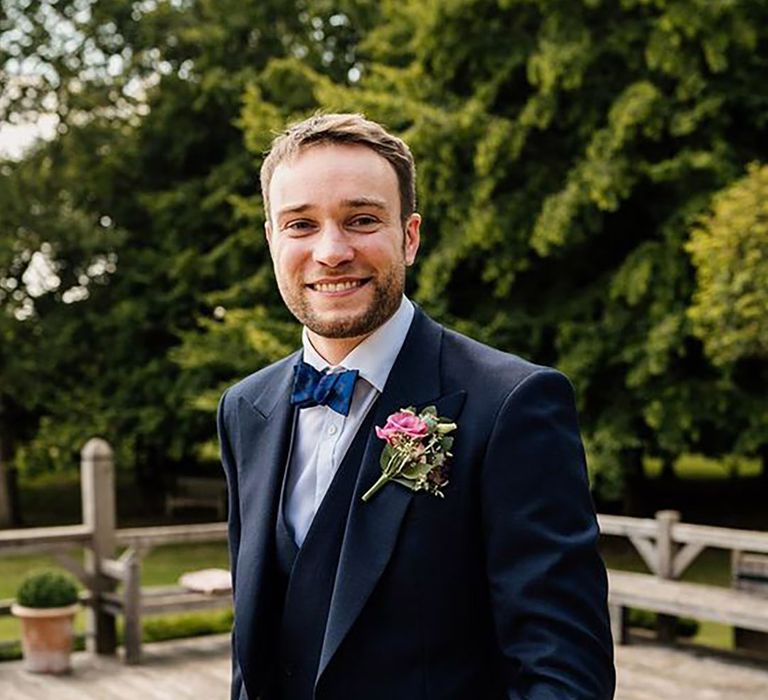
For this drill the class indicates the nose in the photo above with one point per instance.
(332, 246)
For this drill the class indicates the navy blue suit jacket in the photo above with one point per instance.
(494, 591)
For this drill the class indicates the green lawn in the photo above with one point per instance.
(699, 467)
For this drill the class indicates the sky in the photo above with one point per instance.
(14, 139)
(40, 276)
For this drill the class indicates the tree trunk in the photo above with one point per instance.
(8, 501)
(667, 468)
(634, 482)
(6, 511)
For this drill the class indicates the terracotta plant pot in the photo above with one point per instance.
(46, 637)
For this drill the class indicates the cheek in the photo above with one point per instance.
(383, 255)
(287, 260)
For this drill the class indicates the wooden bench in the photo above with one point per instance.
(134, 602)
(750, 573)
(198, 492)
(679, 598)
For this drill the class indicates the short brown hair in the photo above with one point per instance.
(344, 129)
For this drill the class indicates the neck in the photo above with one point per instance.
(334, 350)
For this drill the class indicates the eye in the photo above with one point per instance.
(298, 227)
(364, 221)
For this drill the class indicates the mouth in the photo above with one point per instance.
(337, 287)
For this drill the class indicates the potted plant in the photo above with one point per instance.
(46, 603)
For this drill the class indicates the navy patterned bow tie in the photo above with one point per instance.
(332, 389)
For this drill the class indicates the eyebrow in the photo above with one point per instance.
(360, 202)
(296, 209)
(356, 203)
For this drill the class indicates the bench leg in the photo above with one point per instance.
(132, 639)
(666, 628)
(618, 615)
(132, 609)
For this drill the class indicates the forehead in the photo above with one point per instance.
(326, 173)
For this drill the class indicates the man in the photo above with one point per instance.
(487, 586)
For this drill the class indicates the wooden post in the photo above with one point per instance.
(97, 478)
(665, 547)
(619, 622)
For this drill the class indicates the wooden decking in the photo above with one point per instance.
(651, 672)
(200, 669)
(191, 669)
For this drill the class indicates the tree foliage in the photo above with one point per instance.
(567, 152)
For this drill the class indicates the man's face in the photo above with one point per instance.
(337, 241)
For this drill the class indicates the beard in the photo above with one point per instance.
(387, 295)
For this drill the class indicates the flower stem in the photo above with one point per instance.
(379, 483)
(394, 466)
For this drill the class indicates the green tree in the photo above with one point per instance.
(570, 147)
(141, 185)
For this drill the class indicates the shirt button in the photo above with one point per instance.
(332, 430)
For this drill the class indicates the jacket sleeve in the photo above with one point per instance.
(548, 586)
(230, 470)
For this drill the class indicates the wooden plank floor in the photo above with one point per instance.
(196, 669)
(650, 672)
(200, 669)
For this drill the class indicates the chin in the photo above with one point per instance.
(341, 325)
(348, 317)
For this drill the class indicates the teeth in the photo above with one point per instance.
(337, 286)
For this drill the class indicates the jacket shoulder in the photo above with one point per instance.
(252, 387)
(486, 362)
(489, 374)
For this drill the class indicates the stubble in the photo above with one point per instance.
(387, 295)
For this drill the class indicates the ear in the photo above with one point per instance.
(412, 238)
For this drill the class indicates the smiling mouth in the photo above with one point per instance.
(335, 287)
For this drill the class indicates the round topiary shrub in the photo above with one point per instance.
(47, 588)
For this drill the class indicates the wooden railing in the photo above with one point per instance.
(147, 537)
(669, 547)
(101, 571)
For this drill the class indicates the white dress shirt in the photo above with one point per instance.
(322, 435)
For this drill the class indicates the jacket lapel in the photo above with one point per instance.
(265, 426)
(372, 527)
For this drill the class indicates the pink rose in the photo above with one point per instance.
(402, 423)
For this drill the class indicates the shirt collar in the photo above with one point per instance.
(373, 357)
